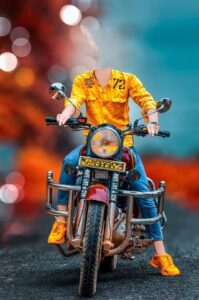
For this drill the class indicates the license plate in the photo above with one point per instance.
(103, 164)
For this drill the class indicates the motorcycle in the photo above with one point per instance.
(103, 220)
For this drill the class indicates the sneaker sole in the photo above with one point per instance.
(56, 242)
(165, 274)
(153, 265)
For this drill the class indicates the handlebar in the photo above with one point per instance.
(73, 122)
(142, 130)
(53, 121)
(163, 133)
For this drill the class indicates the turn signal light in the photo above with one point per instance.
(82, 120)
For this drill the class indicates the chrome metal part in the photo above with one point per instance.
(107, 245)
(65, 187)
(101, 129)
(151, 183)
(141, 194)
(157, 193)
(164, 217)
(81, 213)
(58, 92)
(100, 174)
(129, 220)
(146, 221)
(82, 220)
(137, 246)
(66, 254)
(49, 199)
(55, 212)
(125, 242)
(164, 105)
(119, 231)
(70, 217)
(164, 220)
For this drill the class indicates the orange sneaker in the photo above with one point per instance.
(58, 233)
(166, 265)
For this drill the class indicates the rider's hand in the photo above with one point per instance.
(65, 115)
(152, 128)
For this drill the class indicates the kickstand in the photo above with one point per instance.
(62, 251)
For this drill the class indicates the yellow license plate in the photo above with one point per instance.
(102, 164)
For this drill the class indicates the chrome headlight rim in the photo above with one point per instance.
(118, 140)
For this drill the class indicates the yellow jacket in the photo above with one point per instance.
(110, 104)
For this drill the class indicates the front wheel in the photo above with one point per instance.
(91, 248)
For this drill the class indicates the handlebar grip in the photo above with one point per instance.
(164, 133)
(51, 121)
(142, 131)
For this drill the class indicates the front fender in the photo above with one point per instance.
(98, 192)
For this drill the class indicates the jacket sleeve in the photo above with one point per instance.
(141, 96)
(78, 92)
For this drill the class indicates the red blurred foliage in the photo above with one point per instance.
(181, 176)
(34, 162)
(25, 101)
(24, 105)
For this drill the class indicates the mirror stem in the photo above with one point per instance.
(137, 120)
(76, 108)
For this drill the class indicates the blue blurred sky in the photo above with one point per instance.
(159, 42)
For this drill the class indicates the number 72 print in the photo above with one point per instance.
(120, 83)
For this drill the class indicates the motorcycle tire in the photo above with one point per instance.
(109, 264)
(91, 249)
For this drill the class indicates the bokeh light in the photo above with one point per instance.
(70, 15)
(15, 178)
(57, 74)
(8, 193)
(21, 47)
(88, 62)
(91, 42)
(8, 61)
(5, 26)
(25, 77)
(83, 5)
(6, 213)
(75, 34)
(90, 23)
(19, 32)
(79, 69)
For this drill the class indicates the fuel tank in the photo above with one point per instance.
(128, 158)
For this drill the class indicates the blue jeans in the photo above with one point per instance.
(147, 206)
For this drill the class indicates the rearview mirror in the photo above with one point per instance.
(57, 91)
(164, 105)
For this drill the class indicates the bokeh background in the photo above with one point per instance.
(52, 41)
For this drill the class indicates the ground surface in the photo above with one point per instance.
(30, 269)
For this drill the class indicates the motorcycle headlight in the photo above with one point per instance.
(105, 142)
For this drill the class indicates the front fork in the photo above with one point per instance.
(109, 227)
(81, 212)
(111, 212)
